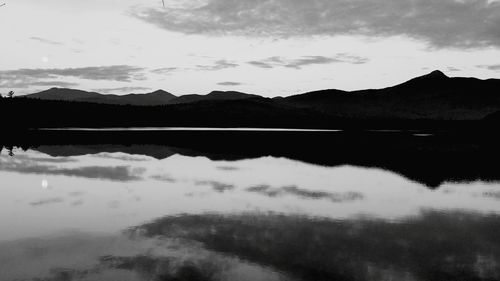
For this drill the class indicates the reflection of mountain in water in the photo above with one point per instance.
(430, 160)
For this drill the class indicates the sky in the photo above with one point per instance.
(265, 47)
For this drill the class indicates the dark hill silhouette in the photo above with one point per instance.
(433, 96)
(215, 95)
(494, 117)
(158, 97)
(64, 94)
(252, 112)
(433, 102)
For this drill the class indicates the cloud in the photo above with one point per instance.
(217, 65)
(228, 83)
(121, 73)
(121, 89)
(46, 41)
(272, 62)
(164, 70)
(54, 84)
(214, 66)
(27, 82)
(28, 77)
(260, 64)
(453, 69)
(490, 66)
(443, 23)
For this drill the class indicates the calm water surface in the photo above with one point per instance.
(81, 213)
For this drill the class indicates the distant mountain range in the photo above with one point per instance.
(433, 96)
(159, 97)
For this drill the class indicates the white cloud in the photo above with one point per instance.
(307, 60)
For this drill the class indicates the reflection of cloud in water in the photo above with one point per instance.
(264, 189)
(116, 173)
(77, 203)
(47, 201)
(120, 156)
(52, 160)
(217, 186)
(24, 157)
(227, 168)
(433, 246)
(336, 197)
(85, 257)
(492, 194)
(114, 204)
(164, 178)
(62, 257)
(76, 193)
(164, 268)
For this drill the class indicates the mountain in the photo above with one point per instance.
(426, 102)
(215, 95)
(64, 94)
(433, 96)
(494, 117)
(158, 97)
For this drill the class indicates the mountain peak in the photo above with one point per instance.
(437, 74)
(216, 92)
(229, 95)
(160, 91)
(62, 94)
(435, 77)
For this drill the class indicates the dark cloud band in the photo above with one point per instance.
(26, 77)
(307, 60)
(443, 23)
(229, 83)
(123, 73)
(490, 66)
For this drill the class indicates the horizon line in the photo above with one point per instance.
(437, 71)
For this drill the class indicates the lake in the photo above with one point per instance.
(249, 206)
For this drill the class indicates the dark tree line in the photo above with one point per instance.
(10, 94)
(26, 113)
